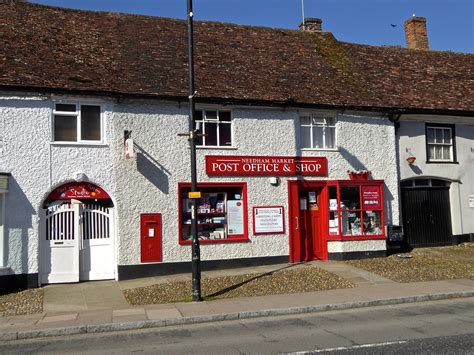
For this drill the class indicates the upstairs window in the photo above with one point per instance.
(77, 123)
(318, 132)
(440, 143)
(215, 127)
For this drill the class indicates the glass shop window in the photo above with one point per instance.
(222, 213)
(357, 211)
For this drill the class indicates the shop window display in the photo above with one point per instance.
(355, 210)
(222, 213)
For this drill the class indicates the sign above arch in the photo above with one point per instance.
(78, 191)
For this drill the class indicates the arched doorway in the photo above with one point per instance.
(77, 234)
(426, 212)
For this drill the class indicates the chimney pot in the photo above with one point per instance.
(416, 34)
(311, 24)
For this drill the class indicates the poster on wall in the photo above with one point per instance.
(268, 220)
(235, 217)
(371, 198)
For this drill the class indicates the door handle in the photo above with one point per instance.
(297, 223)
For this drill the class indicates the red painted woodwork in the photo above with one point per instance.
(77, 190)
(309, 230)
(307, 227)
(228, 165)
(150, 237)
(204, 187)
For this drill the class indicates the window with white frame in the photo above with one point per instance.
(215, 127)
(440, 143)
(318, 132)
(81, 123)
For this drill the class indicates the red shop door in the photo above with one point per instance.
(150, 237)
(308, 240)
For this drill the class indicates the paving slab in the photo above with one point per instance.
(169, 313)
(59, 318)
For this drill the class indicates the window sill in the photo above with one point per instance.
(441, 162)
(319, 149)
(216, 241)
(78, 144)
(215, 147)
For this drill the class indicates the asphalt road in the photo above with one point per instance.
(443, 327)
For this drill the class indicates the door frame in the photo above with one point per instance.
(294, 186)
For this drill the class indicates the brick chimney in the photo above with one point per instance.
(311, 24)
(415, 33)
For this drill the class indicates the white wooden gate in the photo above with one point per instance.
(78, 243)
(97, 249)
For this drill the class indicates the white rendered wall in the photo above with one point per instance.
(412, 137)
(149, 184)
(356, 246)
(37, 166)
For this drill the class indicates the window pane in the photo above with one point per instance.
(319, 121)
(438, 152)
(211, 115)
(224, 116)
(330, 137)
(65, 128)
(436, 182)
(446, 152)
(431, 152)
(90, 123)
(422, 182)
(66, 107)
(211, 133)
(225, 134)
(431, 135)
(439, 136)
(331, 121)
(372, 222)
(447, 136)
(305, 133)
(318, 137)
(305, 120)
(350, 197)
(350, 223)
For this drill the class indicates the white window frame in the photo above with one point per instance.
(325, 125)
(435, 144)
(77, 114)
(203, 121)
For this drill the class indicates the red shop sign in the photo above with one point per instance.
(78, 190)
(227, 165)
(371, 197)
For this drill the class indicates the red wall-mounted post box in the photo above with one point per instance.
(150, 237)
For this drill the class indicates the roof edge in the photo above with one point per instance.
(244, 102)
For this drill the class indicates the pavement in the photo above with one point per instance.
(95, 307)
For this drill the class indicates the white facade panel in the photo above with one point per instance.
(37, 166)
(412, 141)
(149, 184)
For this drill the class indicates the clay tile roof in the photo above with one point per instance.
(61, 49)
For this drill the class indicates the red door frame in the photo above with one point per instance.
(294, 216)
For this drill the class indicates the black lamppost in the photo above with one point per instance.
(196, 253)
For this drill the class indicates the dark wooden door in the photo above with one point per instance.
(426, 216)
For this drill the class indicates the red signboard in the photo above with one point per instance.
(226, 165)
(78, 190)
(371, 197)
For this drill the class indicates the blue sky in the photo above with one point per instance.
(450, 22)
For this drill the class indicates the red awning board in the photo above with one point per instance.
(78, 191)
